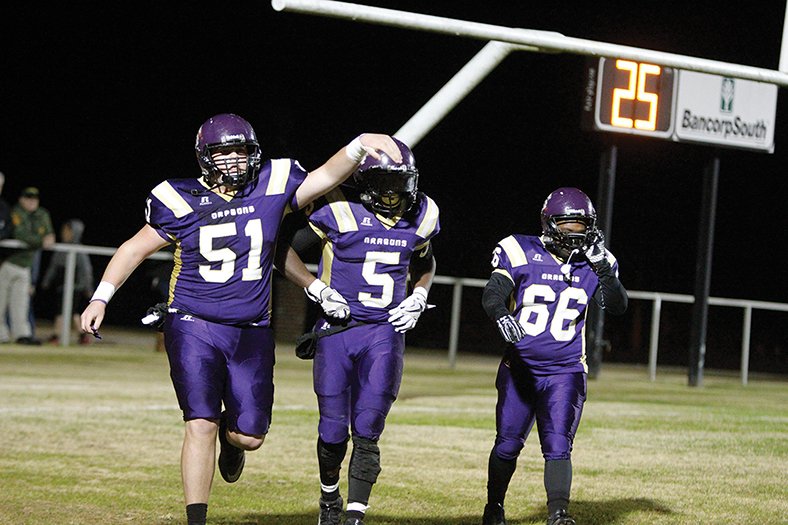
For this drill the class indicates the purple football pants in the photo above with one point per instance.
(356, 376)
(554, 402)
(212, 363)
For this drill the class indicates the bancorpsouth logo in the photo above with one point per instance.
(726, 123)
(726, 95)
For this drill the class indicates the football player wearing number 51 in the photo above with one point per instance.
(217, 326)
(550, 280)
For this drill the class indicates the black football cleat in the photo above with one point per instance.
(330, 512)
(231, 458)
(560, 517)
(354, 521)
(493, 514)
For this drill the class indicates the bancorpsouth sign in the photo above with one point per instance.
(623, 96)
(725, 111)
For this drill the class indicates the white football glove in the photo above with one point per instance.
(595, 251)
(405, 316)
(331, 301)
(510, 328)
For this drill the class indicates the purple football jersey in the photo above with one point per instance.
(549, 304)
(224, 245)
(365, 256)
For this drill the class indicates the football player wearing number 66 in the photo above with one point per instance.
(216, 322)
(542, 377)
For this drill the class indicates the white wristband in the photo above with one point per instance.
(355, 150)
(104, 292)
(420, 290)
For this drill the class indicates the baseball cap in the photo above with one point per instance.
(30, 191)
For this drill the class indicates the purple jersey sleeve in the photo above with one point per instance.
(366, 257)
(224, 244)
(549, 303)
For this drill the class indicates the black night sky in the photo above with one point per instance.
(102, 100)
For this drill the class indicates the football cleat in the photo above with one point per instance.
(560, 517)
(330, 512)
(231, 458)
(493, 514)
(353, 521)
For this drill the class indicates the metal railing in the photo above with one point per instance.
(457, 284)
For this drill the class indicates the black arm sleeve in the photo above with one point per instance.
(496, 296)
(611, 295)
(422, 261)
(304, 239)
(296, 232)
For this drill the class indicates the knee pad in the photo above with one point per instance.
(365, 459)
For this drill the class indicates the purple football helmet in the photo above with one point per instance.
(567, 205)
(389, 188)
(223, 132)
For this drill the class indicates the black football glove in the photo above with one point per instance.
(595, 251)
(510, 328)
(156, 315)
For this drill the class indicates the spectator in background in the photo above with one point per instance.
(5, 213)
(33, 226)
(70, 233)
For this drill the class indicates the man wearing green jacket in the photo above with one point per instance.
(33, 226)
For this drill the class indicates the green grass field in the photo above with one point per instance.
(92, 435)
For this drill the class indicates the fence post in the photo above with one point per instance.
(745, 344)
(68, 297)
(454, 329)
(656, 311)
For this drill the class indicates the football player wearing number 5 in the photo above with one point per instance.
(217, 327)
(549, 280)
(375, 272)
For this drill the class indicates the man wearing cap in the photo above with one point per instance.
(33, 226)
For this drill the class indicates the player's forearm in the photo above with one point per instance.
(611, 295)
(495, 296)
(422, 275)
(130, 254)
(331, 174)
(294, 269)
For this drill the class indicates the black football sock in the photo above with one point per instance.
(197, 513)
(499, 474)
(557, 483)
(330, 457)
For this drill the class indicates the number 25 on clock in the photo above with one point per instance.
(634, 97)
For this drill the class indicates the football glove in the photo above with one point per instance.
(595, 251)
(331, 301)
(155, 316)
(510, 328)
(405, 316)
